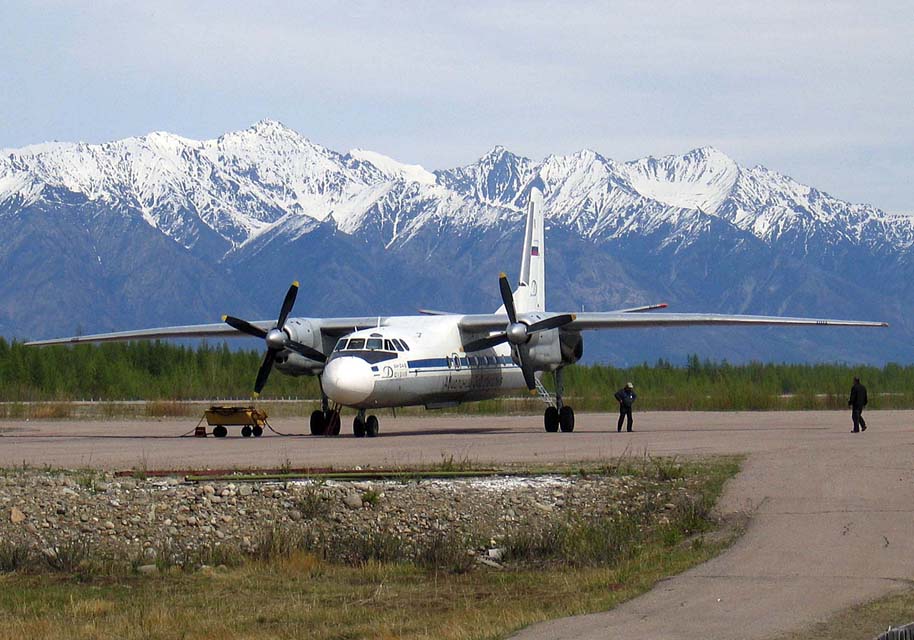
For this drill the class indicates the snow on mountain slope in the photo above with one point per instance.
(258, 180)
(495, 179)
(393, 169)
(700, 179)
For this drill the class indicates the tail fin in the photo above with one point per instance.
(531, 291)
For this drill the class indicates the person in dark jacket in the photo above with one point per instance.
(626, 397)
(856, 403)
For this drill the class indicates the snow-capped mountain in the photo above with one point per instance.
(186, 229)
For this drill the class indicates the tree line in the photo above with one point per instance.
(157, 370)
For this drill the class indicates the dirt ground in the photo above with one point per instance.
(831, 512)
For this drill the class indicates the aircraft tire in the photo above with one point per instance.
(551, 419)
(317, 423)
(220, 432)
(372, 426)
(566, 419)
(257, 431)
(358, 428)
(246, 431)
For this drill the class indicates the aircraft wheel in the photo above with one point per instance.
(257, 431)
(317, 423)
(551, 419)
(246, 431)
(220, 431)
(358, 428)
(333, 424)
(566, 419)
(372, 426)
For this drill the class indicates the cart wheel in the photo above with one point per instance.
(246, 431)
(220, 431)
(258, 431)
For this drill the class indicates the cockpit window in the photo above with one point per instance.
(389, 346)
(356, 343)
(405, 346)
(396, 344)
(375, 343)
(340, 345)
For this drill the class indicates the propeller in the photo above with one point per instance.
(517, 333)
(276, 338)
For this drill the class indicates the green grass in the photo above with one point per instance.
(863, 622)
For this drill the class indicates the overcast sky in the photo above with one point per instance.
(821, 91)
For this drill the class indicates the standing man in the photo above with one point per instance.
(856, 403)
(626, 397)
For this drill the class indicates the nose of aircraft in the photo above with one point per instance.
(348, 380)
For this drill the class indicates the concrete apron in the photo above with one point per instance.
(832, 526)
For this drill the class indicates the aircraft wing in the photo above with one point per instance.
(219, 329)
(631, 319)
(328, 326)
(597, 320)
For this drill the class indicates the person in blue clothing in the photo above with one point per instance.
(626, 397)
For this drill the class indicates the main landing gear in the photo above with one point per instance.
(559, 416)
(365, 426)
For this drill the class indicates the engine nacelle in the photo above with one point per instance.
(295, 364)
(571, 344)
(302, 330)
(544, 350)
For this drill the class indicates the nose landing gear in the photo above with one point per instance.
(326, 422)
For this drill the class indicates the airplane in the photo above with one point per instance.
(440, 359)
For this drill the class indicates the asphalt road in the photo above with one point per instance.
(832, 512)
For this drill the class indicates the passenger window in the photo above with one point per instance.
(340, 345)
(375, 343)
(356, 343)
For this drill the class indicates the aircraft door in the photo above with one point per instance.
(453, 371)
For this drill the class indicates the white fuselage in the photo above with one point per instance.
(416, 361)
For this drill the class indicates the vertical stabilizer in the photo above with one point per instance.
(531, 291)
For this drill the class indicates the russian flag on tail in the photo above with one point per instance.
(534, 250)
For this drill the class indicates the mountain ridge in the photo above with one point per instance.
(259, 205)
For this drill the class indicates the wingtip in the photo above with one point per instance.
(295, 284)
(255, 395)
(224, 316)
(662, 305)
(502, 275)
(532, 392)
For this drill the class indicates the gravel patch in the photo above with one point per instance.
(142, 519)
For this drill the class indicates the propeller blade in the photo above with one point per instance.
(287, 305)
(525, 368)
(264, 372)
(551, 323)
(507, 296)
(306, 351)
(485, 343)
(244, 326)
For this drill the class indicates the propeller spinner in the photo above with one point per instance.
(517, 333)
(276, 338)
